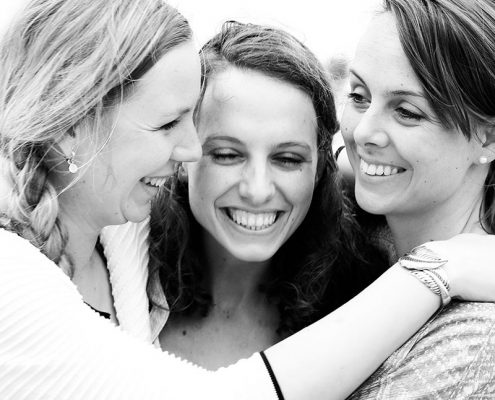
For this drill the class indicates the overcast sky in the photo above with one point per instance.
(328, 27)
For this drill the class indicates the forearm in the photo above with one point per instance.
(332, 357)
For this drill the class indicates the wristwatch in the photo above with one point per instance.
(427, 266)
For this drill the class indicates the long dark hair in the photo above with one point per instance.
(326, 261)
(450, 45)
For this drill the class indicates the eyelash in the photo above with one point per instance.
(285, 161)
(289, 161)
(356, 98)
(169, 125)
(403, 113)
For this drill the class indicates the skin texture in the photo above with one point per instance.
(258, 139)
(259, 155)
(151, 130)
(389, 122)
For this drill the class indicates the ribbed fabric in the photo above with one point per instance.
(52, 346)
(451, 357)
(126, 251)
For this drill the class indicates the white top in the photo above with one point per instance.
(53, 346)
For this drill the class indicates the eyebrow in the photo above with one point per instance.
(405, 93)
(222, 137)
(393, 92)
(305, 146)
(237, 141)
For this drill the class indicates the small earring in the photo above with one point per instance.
(483, 160)
(73, 168)
(182, 173)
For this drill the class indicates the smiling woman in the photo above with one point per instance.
(267, 240)
(256, 141)
(420, 136)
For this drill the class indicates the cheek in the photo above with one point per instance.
(348, 123)
(301, 193)
(206, 182)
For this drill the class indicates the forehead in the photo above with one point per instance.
(380, 59)
(170, 85)
(252, 105)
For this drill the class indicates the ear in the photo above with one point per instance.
(182, 172)
(488, 144)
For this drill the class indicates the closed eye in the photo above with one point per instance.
(170, 125)
(407, 114)
(288, 160)
(225, 157)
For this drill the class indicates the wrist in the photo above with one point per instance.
(452, 269)
(428, 267)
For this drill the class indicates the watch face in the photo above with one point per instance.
(421, 258)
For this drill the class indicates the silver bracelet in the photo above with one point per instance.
(426, 266)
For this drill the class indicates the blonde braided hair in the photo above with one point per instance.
(64, 62)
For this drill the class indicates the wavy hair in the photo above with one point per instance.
(450, 45)
(324, 263)
(64, 62)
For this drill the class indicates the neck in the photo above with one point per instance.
(441, 222)
(233, 283)
(82, 237)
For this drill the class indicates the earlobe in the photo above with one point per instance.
(182, 172)
(66, 147)
(488, 145)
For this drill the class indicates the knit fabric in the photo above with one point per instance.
(53, 346)
(451, 357)
(126, 251)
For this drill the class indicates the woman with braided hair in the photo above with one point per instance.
(96, 103)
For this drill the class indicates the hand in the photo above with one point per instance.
(471, 265)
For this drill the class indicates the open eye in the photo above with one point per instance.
(358, 100)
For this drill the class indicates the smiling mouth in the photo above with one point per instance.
(379, 169)
(252, 221)
(155, 181)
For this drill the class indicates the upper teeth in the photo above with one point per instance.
(252, 221)
(154, 181)
(375, 169)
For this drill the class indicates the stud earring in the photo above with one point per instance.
(483, 160)
(73, 168)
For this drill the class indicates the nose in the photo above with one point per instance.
(371, 131)
(256, 186)
(189, 147)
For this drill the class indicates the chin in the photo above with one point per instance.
(250, 254)
(135, 214)
(372, 204)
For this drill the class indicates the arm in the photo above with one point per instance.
(350, 343)
(50, 343)
(53, 346)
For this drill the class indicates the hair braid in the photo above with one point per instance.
(33, 205)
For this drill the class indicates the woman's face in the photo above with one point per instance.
(254, 184)
(151, 130)
(405, 162)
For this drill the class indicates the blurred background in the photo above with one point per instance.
(330, 28)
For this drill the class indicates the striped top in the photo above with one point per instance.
(451, 357)
(53, 346)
